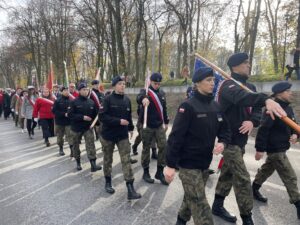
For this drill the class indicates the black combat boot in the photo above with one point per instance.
(108, 188)
(147, 177)
(94, 167)
(154, 153)
(297, 204)
(78, 164)
(247, 219)
(71, 151)
(160, 175)
(180, 221)
(133, 161)
(47, 142)
(256, 194)
(219, 210)
(134, 150)
(61, 150)
(132, 194)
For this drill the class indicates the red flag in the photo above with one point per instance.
(50, 78)
(220, 164)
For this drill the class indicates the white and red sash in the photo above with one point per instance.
(157, 103)
(71, 97)
(95, 98)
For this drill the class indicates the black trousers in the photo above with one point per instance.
(47, 128)
(6, 112)
(1, 110)
(30, 124)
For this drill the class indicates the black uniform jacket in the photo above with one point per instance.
(274, 135)
(60, 108)
(115, 107)
(240, 105)
(198, 122)
(79, 108)
(153, 118)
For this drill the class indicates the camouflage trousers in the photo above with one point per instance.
(160, 137)
(138, 139)
(280, 162)
(194, 202)
(62, 131)
(89, 143)
(234, 173)
(124, 152)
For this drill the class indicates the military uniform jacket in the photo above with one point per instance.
(198, 122)
(154, 119)
(79, 108)
(60, 108)
(274, 135)
(115, 107)
(240, 105)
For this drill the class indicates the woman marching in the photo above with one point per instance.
(18, 109)
(29, 99)
(43, 110)
(191, 145)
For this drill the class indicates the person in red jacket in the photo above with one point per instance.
(43, 110)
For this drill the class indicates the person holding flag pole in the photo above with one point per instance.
(237, 100)
(154, 118)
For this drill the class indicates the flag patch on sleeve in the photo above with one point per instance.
(181, 110)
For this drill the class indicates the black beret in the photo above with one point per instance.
(281, 87)
(237, 59)
(116, 79)
(156, 77)
(82, 85)
(63, 88)
(95, 82)
(201, 73)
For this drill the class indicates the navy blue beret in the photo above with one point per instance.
(95, 82)
(156, 77)
(82, 85)
(237, 59)
(281, 87)
(201, 73)
(116, 79)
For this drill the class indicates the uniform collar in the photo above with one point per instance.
(282, 103)
(203, 98)
(239, 77)
(118, 95)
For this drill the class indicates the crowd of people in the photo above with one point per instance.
(202, 127)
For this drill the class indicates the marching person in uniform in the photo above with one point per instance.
(243, 110)
(117, 123)
(274, 137)
(191, 145)
(62, 120)
(82, 112)
(157, 116)
(42, 110)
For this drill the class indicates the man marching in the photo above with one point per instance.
(62, 120)
(157, 124)
(117, 122)
(274, 137)
(236, 103)
(82, 112)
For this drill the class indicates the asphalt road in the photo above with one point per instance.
(38, 187)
